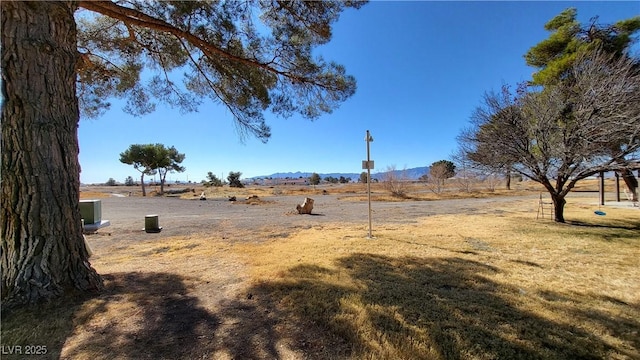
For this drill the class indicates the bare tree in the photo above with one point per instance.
(466, 175)
(466, 180)
(434, 180)
(440, 171)
(566, 132)
(484, 157)
(492, 180)
(395, 181)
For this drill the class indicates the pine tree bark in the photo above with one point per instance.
(42, 249)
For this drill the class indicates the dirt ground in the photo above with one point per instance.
(220, 284)
(270, 217)
(260, 218)
(184, 293)
(184, 217)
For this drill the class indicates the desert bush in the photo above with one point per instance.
(213, 180)
(314, 179)
(234, 179)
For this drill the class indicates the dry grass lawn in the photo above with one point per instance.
(447, 287)
(473, 287)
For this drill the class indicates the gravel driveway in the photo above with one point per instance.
(183, 217)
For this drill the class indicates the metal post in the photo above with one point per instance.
(368, 140)
(617, 187)
(601, 187)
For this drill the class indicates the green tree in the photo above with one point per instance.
(168, 161)
(150, 159)
(213, 180)
(111, 182)
(364, 177)
(144, 158)
(314, 179)
(555, 56)
(50, 58)
(331, 179)
(234, 179)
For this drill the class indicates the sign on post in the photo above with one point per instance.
(367, 165)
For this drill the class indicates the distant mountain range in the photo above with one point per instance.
(411, 174)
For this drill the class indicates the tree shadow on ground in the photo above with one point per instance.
(608, 230)
(366, 306)
(416, 308)
(158, 319)
(138, 316)
(618, 225)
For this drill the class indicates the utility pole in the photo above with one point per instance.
(368, 164)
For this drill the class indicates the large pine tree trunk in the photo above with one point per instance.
(42, 251)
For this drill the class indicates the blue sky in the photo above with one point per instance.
(421, 68)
